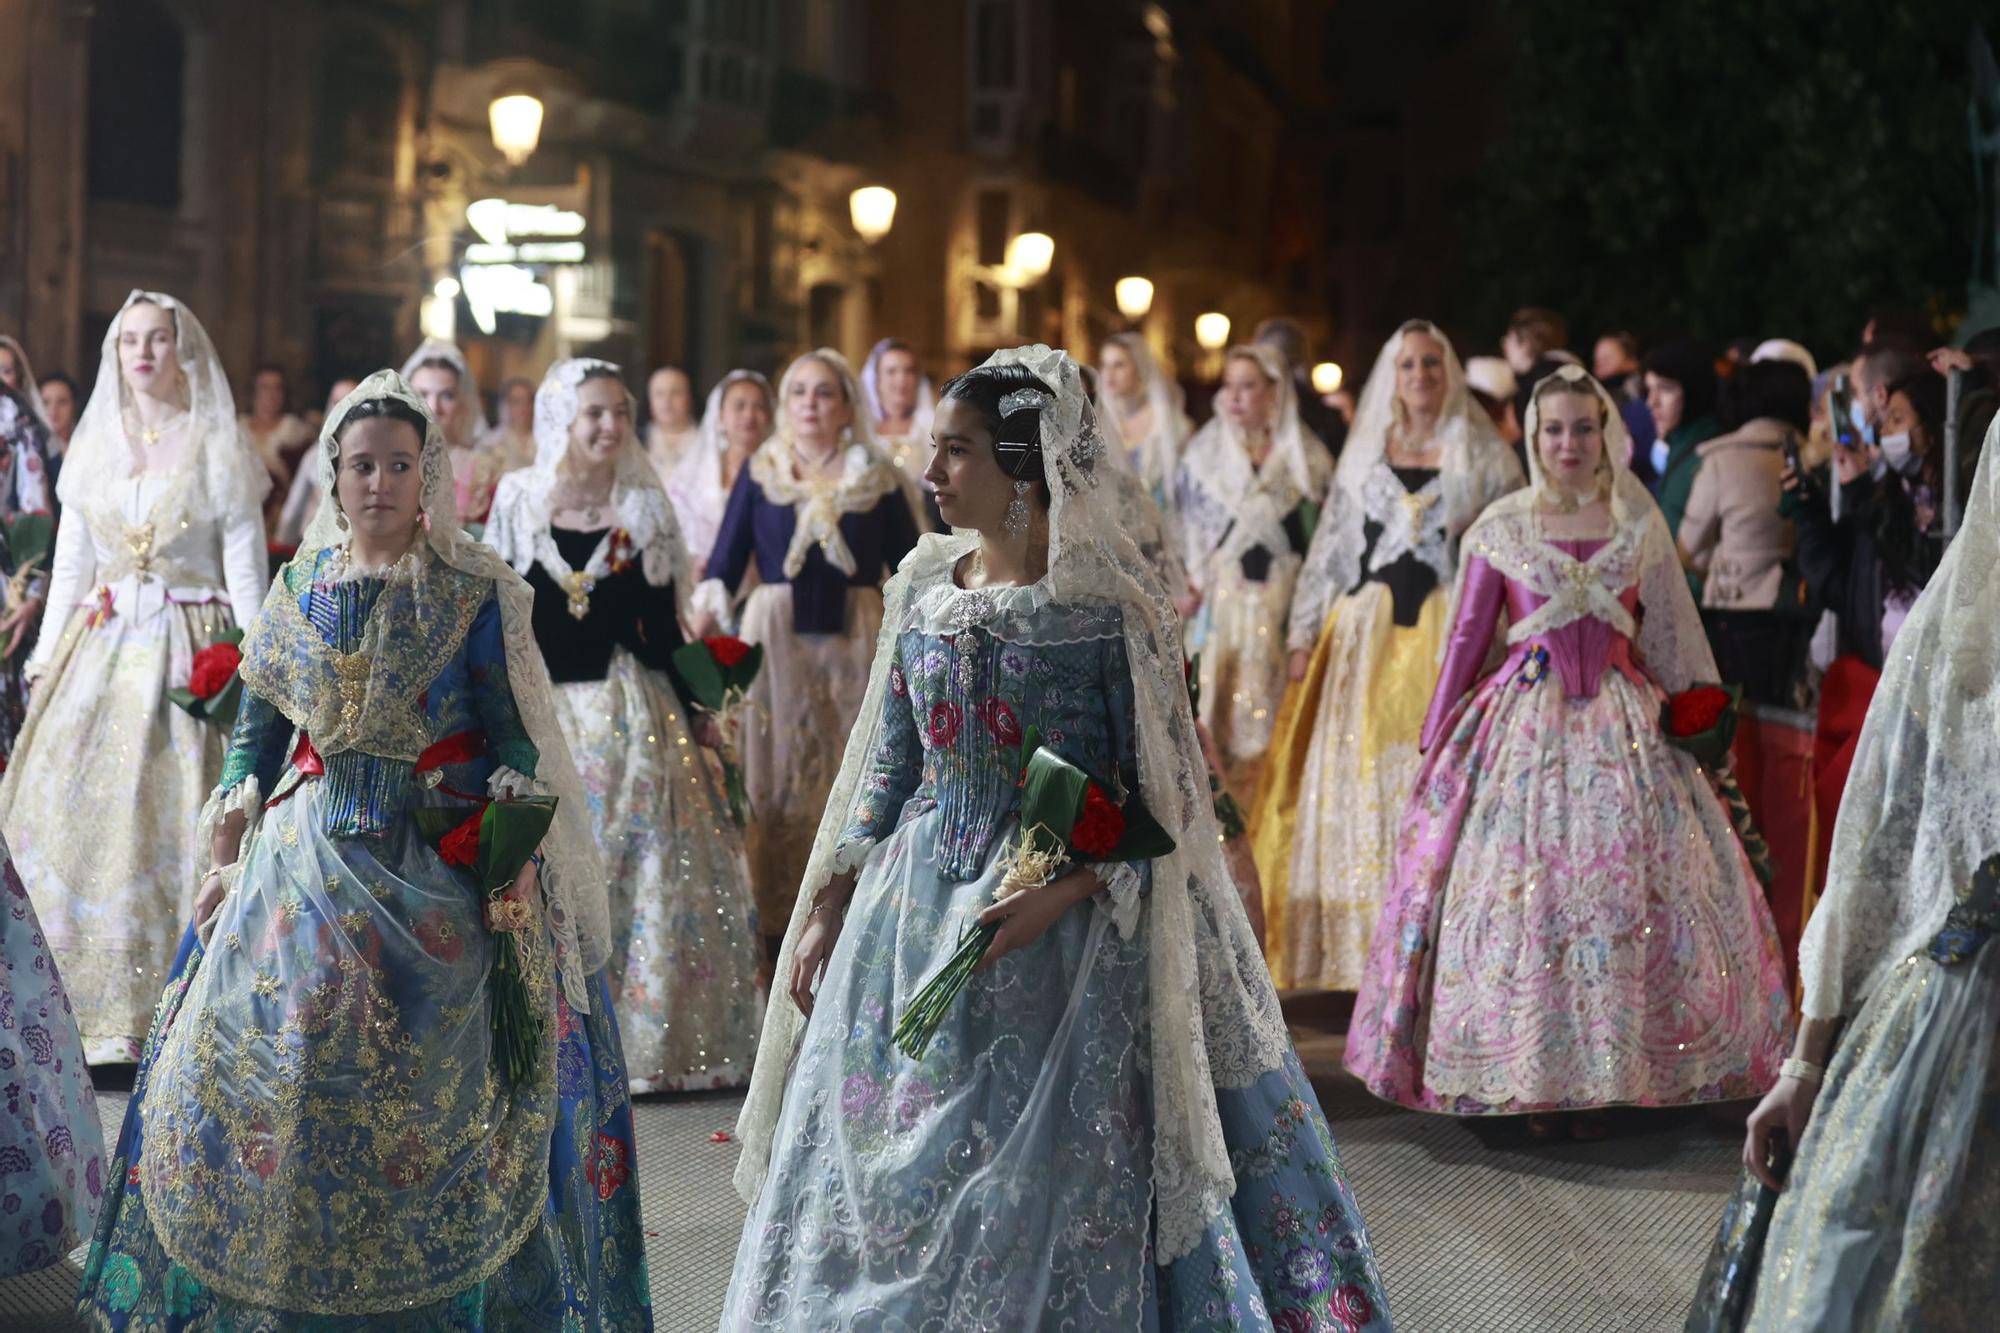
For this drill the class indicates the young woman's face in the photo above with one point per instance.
(10, 368)
(439, 389)
(1420, 374)
(1899, 416)
(603, 419)
(1249, 398)
(1120, 375)
(896, 380)
(746, 415)
(267, 396)
(520, 407)
(147, 356)
(816, 402)
(973, 491)
(1667, 401)
(670, 398)
(1570, 439)
(60, 404)
(377, 481)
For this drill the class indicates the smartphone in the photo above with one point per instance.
(1792, 454)
(1840, 413)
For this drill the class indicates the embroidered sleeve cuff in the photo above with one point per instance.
(508, 784)
(712, 599)
(850, 853)
(1122, 894)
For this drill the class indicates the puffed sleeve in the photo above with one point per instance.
(892, 774)
(507, 741)
(1471, 636)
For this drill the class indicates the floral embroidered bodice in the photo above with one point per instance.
(972, 673)
(466, 702)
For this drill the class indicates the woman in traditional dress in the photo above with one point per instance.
(1245, 498)
(590, 529)
(1573, 921)
(326, 1131)
(1367, 632)
(26, 482)
(671, 429)
(437, 370)
(160, 553)
(822, 512)
(1110, 1128)
(512, 439)
(900, 403)
(1137, 398)
(738, 419)
(52, 1162)
(1886, 1215)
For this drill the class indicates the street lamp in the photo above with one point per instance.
(873, 211)
(1029, 257)
(1211, 330)
(517, 125)
(1327, 377)
(1134, 296)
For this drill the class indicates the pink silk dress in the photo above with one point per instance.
(1572, 921)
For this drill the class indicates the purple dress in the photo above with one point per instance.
(1572, 921)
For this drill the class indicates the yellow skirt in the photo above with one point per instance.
(1343, 755)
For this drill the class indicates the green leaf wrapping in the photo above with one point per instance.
(30, 537)
(708, 680)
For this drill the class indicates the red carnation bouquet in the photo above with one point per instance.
(495, 841)
(215, 688)
(1702, 721)
(718, 672)
(1066, 816)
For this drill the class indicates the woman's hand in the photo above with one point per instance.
(1300, 659)
(1188, 603)
(1784, 1111)
(1947, 359)
(816, 941)
(1788, 478)
(1850, 464)
(703, 626)
(207, 903)
(1024, 917)
(19, 623)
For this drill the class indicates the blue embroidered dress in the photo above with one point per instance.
(1005, 1179)
(318, 1136)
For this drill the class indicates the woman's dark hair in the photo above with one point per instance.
(393, 409)
(594, 373)
(1017, 439)
(1688, 364)
(63, 378)
(439, 363)
(1779, 390)
(1908, 554)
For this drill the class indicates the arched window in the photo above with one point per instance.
(137, 61)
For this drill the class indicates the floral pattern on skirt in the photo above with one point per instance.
(685, 949)
(583, 1268)
(1573, 922)
(51, 1148)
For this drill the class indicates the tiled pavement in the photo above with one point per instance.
(1478, 1229)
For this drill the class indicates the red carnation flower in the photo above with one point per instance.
(1692, 712)
(1000, 720)
(1099, 826)
(945, 719)
(726, 651)
(1351, 1306)
(213, 666)
(461, 846)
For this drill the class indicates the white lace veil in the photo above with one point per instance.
(470, 427)
(695, 485)
(1221, 481)
(1214, 1015)
(228, 476)
(573, 876)
(30, 392)
(1160, 452)
(1920, 812)
(518, 526)
(1508, 535)
(920, 422)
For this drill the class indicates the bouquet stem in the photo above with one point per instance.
(1754, 845)
(925, 1014)
(517, 1026)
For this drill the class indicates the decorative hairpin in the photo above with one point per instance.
(1023, 400)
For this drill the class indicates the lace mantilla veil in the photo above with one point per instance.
(572, 876)
(1508, 535)
(29, 390)
(472, 426)
(227, 475)
(920, 421)
(518, 526)
(1475, 468)
(1920, 813)
(1214, 1014)
(1160, 453)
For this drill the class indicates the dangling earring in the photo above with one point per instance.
(1016, 521)
(340, 518)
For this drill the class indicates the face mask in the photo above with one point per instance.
(1658, 455)
(1898, 453)
(1859, 416)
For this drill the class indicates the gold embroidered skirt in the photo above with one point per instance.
(1342, 757)
(1240, 634)
(100, 804)
(805, 701)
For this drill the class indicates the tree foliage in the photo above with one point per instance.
(1728, 168)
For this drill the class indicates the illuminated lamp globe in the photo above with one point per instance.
(1030, 255)
(1211, 330)
(1328, 377)
(873, 210)
(1134, 296)
(517, 125)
